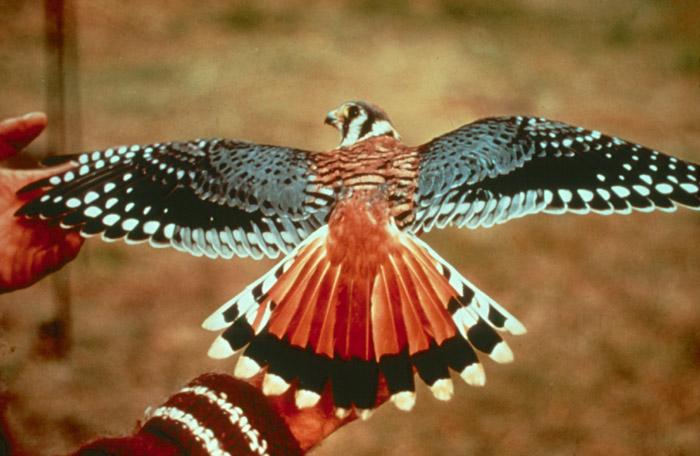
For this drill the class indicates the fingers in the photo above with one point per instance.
(311, 425)
(33, 252)
(17, 132)
(31, 248)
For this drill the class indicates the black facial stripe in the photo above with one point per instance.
(367, 124)
(353, 111)
(346, 127)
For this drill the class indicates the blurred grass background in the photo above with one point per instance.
(611, 363)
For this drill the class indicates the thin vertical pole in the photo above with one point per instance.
(61, 52)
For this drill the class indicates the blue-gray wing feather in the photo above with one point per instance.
(497, 169)
(214, 197)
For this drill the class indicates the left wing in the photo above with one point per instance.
(497, 169)
(218, 197)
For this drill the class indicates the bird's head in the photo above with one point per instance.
(359, 120)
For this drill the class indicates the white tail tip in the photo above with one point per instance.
(404, 400)
(443, 389)
(306, 399)
(215, 322)
(474, 375)
(246, 368)
(365, 414)
(515, 327)
(220, 349)
(341, 413)
(274, 385)
(502, 353)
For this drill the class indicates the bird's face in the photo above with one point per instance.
(359, 120)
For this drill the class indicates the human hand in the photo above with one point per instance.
(31, 249)
(310, 426)
(217, 412)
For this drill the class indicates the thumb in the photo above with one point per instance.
(17, 132)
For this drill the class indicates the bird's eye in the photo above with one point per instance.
(353, 111)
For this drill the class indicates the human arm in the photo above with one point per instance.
(219, 412)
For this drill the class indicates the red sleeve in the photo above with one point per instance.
(214, 414)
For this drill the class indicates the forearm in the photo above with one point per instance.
(214, 414)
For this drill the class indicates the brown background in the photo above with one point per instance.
(611, 363)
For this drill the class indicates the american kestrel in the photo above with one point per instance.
(358, 298)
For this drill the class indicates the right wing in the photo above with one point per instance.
(497, 169)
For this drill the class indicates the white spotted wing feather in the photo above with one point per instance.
(219, 198)
(498, 169)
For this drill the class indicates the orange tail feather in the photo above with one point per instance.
(331, 313)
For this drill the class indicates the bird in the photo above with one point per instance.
(357, 301)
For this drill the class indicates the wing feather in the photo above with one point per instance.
(215, 197)
(498, 169)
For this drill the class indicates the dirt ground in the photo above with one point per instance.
(611, 363)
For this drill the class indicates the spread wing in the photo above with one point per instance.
(497, 169)
(213, 197)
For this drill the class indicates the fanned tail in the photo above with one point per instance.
(318, 317)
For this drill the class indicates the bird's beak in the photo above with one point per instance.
(331, 119)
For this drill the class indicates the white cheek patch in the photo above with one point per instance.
(379, 128)
(353, 134)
